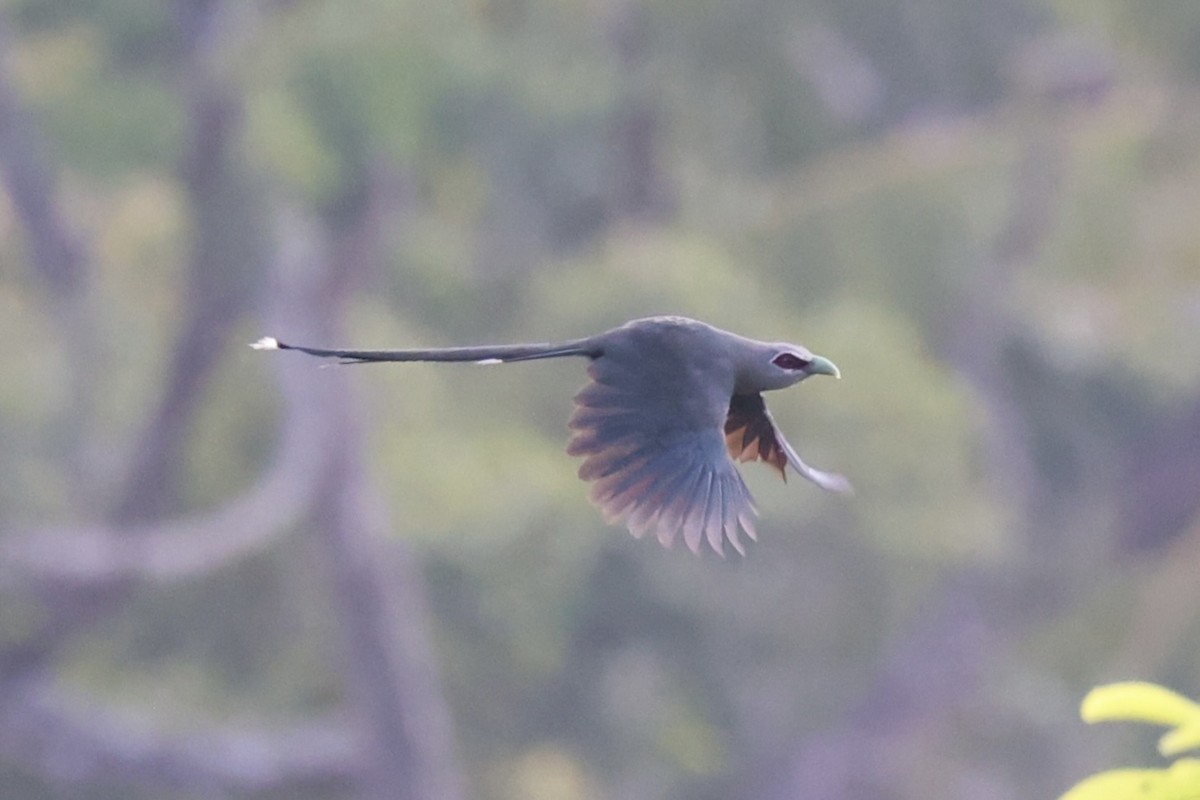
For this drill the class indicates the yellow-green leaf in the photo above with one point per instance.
(1185, 737)
(1180, 782)
(1138, 701)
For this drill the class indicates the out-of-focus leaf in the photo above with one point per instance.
(1185, 737)
(1181, 781)
(1140, 702)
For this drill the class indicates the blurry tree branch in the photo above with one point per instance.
(225, 260)
(57, 252)
(194, 545)
(59, 257)
(74, 741)
(83, 572)
(389, 663)
(102, 555)
(390, 666)
(1158, 497)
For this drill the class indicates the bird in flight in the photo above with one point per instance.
(671, 404)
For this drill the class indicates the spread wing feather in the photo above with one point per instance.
(650, 434)
(697, 504)
(751, 433)
(714, 516)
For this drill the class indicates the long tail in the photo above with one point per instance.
(486, 354)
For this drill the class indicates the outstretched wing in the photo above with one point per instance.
(751, 433)
(650, 430)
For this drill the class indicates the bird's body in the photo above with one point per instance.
(670, 404)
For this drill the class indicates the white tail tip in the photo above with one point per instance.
(489, 361)
(266, 343)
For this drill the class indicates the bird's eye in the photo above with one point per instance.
(790, 361)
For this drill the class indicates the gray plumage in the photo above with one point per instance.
(670, 404)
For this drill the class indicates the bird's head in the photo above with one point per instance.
(783, 365)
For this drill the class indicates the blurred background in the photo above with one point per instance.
(228, 574)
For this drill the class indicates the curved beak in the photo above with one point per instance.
(823, 366)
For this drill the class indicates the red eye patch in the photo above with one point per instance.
(790, 361)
